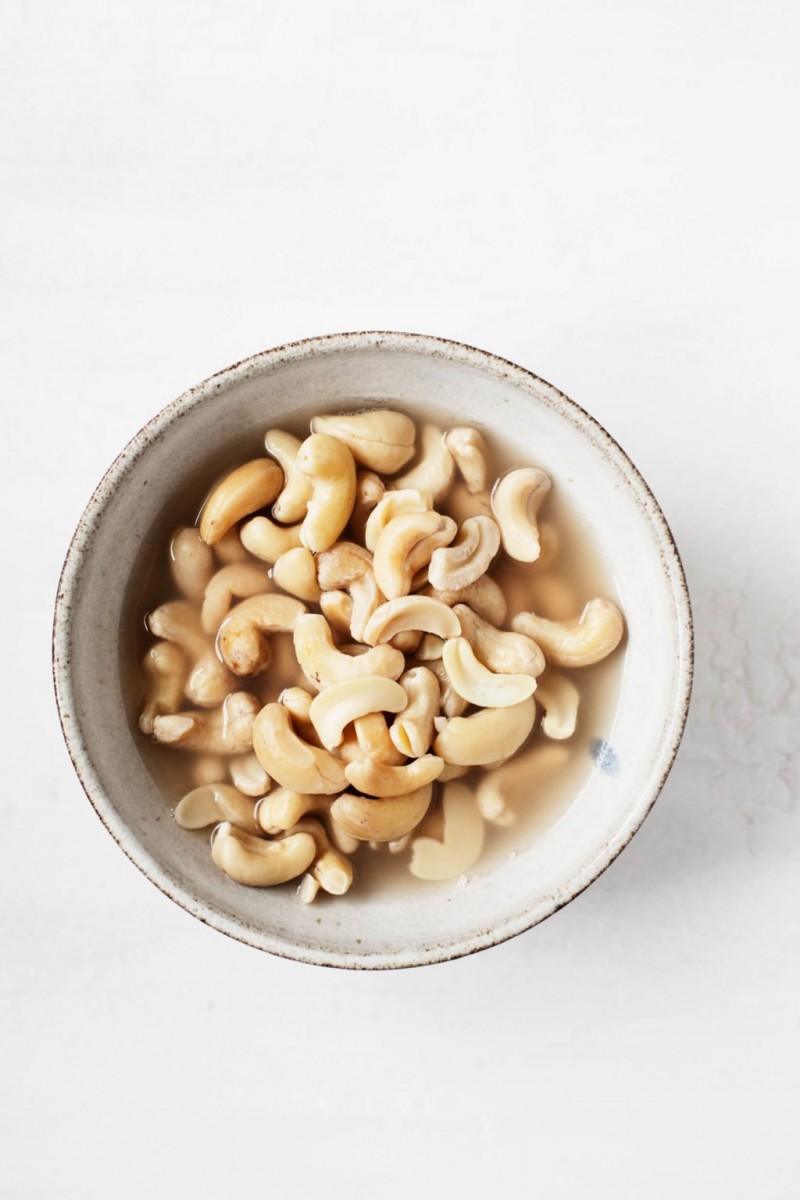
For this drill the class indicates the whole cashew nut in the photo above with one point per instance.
(381, 820)
(468, 558)
(344, 702)
(331, 870)
(283, 808)
(191, 562)
(209, 680)
(378, 779)
(242, 637)
(412, 731)
(248, 776)
(293, 499)
(469, 451)
(559, 698)
(269, 541)
(484, 596)
(238, 580)
(296, 572)
(453, 705)
(461, 844)
(435, 469)
(288, 759)
(208, 768)
(215, 802)
(165, 677)
(370, 490)
(372, 735)
(579, 643)
(329, 465)
(225, 730)
(394, 504)
(500, 651)
(501, 792)
(258, 863)
(349, 567)
(430, 648)
(411, 613)
(477, 684)
(462, 503)
(405, 545)
(324, 664)
(487, 736)
(382, 440)
(245, 490)
(516, 500)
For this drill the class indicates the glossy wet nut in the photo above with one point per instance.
(412, 731)
(341, 703)
(578, 643)
(164, 668)
(178, 621)
(249, 776)
(394, 504)
(237, 581)
(370, 490)
(516, 500)
(372, 735)
(215, 802)
(468, 449)
(436, 467)
(487, 735)
(295, 494)
(229, 549)
(405, 545)
(296, 572)
(349, 567)
(290, 760)
(269, 541)
(324, 664)
(337, 608)
(461, 844)
(452, 704)
(484, 597)
(411, 612)
(468, 558)
(462, 504)
(307, 889)
(477, 684)
(382, 440)
(225, 730)
(378, 779)
(297, 702)
(332, 871)
(503, 792)
(259, 863)
(242, 638)
(559, 698)
(250, 487)
(329, 465)
(498, 649)
(210, 681)
(283, 808)
(191, 562)
(381, 820)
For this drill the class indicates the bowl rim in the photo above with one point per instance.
(80, 545)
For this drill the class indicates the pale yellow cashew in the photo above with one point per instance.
(382, 440)
(337, 608)
(331, 870)
(430, 648)
(341, 703)
(350, 748)
(372, 735)
(412, 731)
(242, 638)
(330, 467)
(191, 562)
(340, 838)
(229, 549)
(250, 487)
(165, 677)
(468, 558)
(516, 500)
(323, 664)
(296, 572)
(215, 802)
(559, 698)
(209, 680)
(249, 776)
(485, 597)
(378, 779)
(462, 504)
(236, 581)
(349, 567)
(405, 545)
(307, 890)
(452, 771)
(394, 504)
(579, 643)
(436, 467)
(498, 649)
(381, 820)
(469, 451)
(283, 808)
(269, 541)
(477, 684)
(291, 761)
(293, 500)
(452, 704)
(225, 730)
(297, 701)
(258, 863)
(420, 613)
(487, 736)
(370, 490)
(462, 841)
(502, 792)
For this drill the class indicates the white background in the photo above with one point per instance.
(606, 193)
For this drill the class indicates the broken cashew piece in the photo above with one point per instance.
(215, 802)
(239, 581)
(382, 440)
(559, 698)
(225, 730)
(165, 675)
(349, 567)
(283, 808)
(487, 736)
(331, 870)
(381, 820)
(258, 863)
(516, 500)
(411, 613)
(269, 541)
(378, 779)
(248, 775)
(329, 465)
(292, 762)
(250, 487)
(324, 665)
(394, 504)
(372, 735)
(500, 651)
(208, 768)
(191, 562)
(412, 731)
(296, 572)
(501, 792)
(293, 498)
(405, 545)
(341, 703)
(477, 684)
(468, 558)
(242, 638)
(436, 467)
(461, 843)
(579, 643)
(469, 451)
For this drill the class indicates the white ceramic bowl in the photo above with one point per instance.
(458, 384)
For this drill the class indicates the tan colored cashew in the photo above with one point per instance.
(370, 490)
(242, 637)
(516, 500)
(559, 698)
(372, 735)
(269, 541)
(382, 440)
(350, 748)
(436, 467)
(341, 703)
(337, 608)
(591, 638)
(248, 775)
(394, 504)
(485, 597)
(381, 820)
(225, 730)
(209, 680)
(487, 736)
(412, 731)
(191, 562)
(250, 487)
(468, 558)
(502, 792)
(349, 567)
(323, 664)
(430, 648)
(283, 808)
(331, 870)
(378, 779)
(307, 889)
(238, 580)
(477, 684)
(411, 613)
(229, 549)
(296, 572)
(329, 465)
(452, 771)
(297, 701)
(469, 451)
(292, 502)
(462, 841)
(165, 677)
(215, 802)
(292, 762)
(258, 863)
(453, 705)
(500, 651)
(406, 545)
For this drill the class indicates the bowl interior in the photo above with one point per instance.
(426, 378)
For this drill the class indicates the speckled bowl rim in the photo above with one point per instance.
(80, 546)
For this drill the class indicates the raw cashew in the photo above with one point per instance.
(372, 735)
(435, 469)
(462, 504)
(350, 748)
(297, 701)
(344, 702)
(370, 490)
(248, 775)
(381, 820)
(324, 664)
(559, 698)
(411, 613)
(267, 540)
(191, 562)
(452, 771)
(579, 643)
(329, 465)
(516, 500)
(283, 808)
(469, 451)
(296, 572)
(331, 870)
(340, 838)
(215, 802)
(288, 759)
(208, 768)
(242, 637)
(229, 549)
(337, 608)
(468, 558)
(497, 649)
(408, 641)
(225, 730)
(394, 504)
(430, 647)
(240, 580)
(501, 792)
(349, 567)
(258, 863)
(307, 889)
(453, 705)
(382, 440)
(377, 779)
(405, 545)
(412, 731)
(486, 736)
(245, 490)
(477, 684)
(165, 676)
(293, 500)
(484, 596)
(461, 844)
(209, 680)
(549, 545)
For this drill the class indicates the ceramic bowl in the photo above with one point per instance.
(456, 384)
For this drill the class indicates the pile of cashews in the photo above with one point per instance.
(413, 677)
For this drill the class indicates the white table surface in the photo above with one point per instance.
(605, 193)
